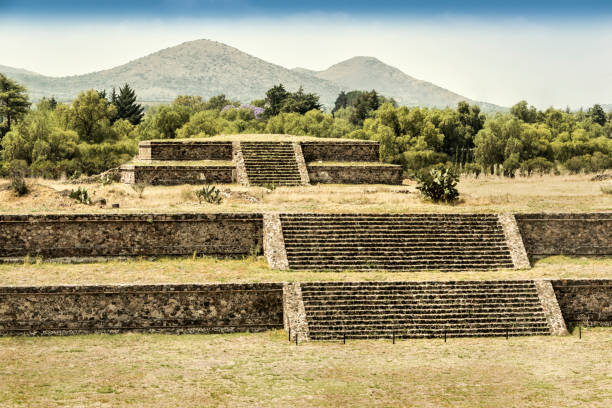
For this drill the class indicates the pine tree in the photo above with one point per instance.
(14, 103)
(126, 105)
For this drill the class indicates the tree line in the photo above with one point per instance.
(97, 131)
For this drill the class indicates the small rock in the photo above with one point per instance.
(115, 205)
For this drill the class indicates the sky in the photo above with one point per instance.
(546, 52)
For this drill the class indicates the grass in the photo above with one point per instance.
(210, 270)
(264, 370)
(571, 193)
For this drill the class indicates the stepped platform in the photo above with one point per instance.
(395, 241)
(374, 310)
(261, 160)
(270, 163)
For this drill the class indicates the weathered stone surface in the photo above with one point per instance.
(548, 299)
(294, 312)
(238, 159)
(273, 242)
(566, 234)
(587, 302)
(109, 235)
(184, 150)
(514, 241)
(355, 174)
(219, 308)
(350, 151)
(301, 163)
(175, 175)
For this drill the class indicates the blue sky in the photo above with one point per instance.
(547, 52)
(211, 8)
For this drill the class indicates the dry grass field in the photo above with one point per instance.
(485, 194)
(265, 370)
(210, 270)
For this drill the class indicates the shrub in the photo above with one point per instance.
(80, 195)
(139, 188)
(606, 188)
(210, 194)
(438, 184)
(18, 170)
(19, 186)
(472, 168)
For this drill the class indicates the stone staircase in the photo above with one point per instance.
(374, 310)
(270, 163)
(395, 242)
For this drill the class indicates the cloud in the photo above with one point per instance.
(500, 61)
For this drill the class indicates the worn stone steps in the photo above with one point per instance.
(370, 310)
(270, 163)
(395, 241)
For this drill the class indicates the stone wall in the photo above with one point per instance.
(174, 175)
(112, 235)
(355, 174)
(566, 234)
(184, 150)
(353, 151)
(218, 308)
(587, 302)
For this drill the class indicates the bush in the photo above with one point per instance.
(606, 188)
(18, 169)
(19, 186)
(210, 194)
(438, 184)
(80, 195)
(472, 168)
(139, 188)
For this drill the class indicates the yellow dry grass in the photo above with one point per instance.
(210, 270)
(264, 370)
(483, 195)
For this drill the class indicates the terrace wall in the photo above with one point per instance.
(112, 235)
(353, 151)
(175, 175)
(587, 302)
(355, 174)
(566, 234)
(218, 308)
(184, 150)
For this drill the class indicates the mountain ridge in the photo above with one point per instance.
(208, 68)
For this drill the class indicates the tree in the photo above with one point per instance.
(527, 114)
(90, 116)
(126, 105)
(597, 115)
(300, 102)
(341, 102)
(14, 103)
(275, 97)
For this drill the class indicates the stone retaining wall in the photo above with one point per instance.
(566, 234)
(219, 308)
(355, 174)
(184, 150)
(111, 235)
(587, 302)
(353, 151)
(175, 175)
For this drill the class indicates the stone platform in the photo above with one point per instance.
(260, 162)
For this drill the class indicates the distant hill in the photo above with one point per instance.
(208, 68)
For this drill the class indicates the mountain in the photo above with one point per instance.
(208, 68)
(366, 73)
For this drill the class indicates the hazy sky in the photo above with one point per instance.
(547, 52)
